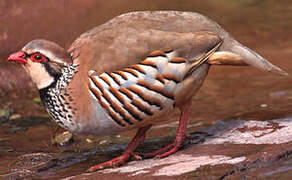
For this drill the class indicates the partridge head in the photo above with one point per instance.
(131, 72)
(43, 61)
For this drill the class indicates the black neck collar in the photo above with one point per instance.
(44, 91)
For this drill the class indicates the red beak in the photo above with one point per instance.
(18, 57)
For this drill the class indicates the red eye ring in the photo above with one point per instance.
(38, 57)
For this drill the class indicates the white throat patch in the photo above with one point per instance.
(38, 74)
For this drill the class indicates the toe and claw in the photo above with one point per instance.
(118, 161)
(127, 154)
(140, 136)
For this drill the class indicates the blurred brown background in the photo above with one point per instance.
(63, 20)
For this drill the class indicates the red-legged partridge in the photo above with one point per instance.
(130, 72)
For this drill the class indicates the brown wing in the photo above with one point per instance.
(123, 51)
(128, 38)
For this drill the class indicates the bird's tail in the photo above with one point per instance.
(232, 52)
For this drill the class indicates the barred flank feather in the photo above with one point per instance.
(143, 90)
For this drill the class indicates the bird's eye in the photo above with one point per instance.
(38, 57)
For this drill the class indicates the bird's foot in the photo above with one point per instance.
(127, 154)
(188, 137)
(118, 161)
(168, 149)
(165, 151)
(175, 148)
(158, 152)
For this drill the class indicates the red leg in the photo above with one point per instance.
(180, 135)
(159, 151)
(188, 136)
(139, 137)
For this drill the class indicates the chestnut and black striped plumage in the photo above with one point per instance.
(142, 91)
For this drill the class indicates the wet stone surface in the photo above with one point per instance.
(63, 139)
(225, 151)
(241, 120)
(5, 114)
